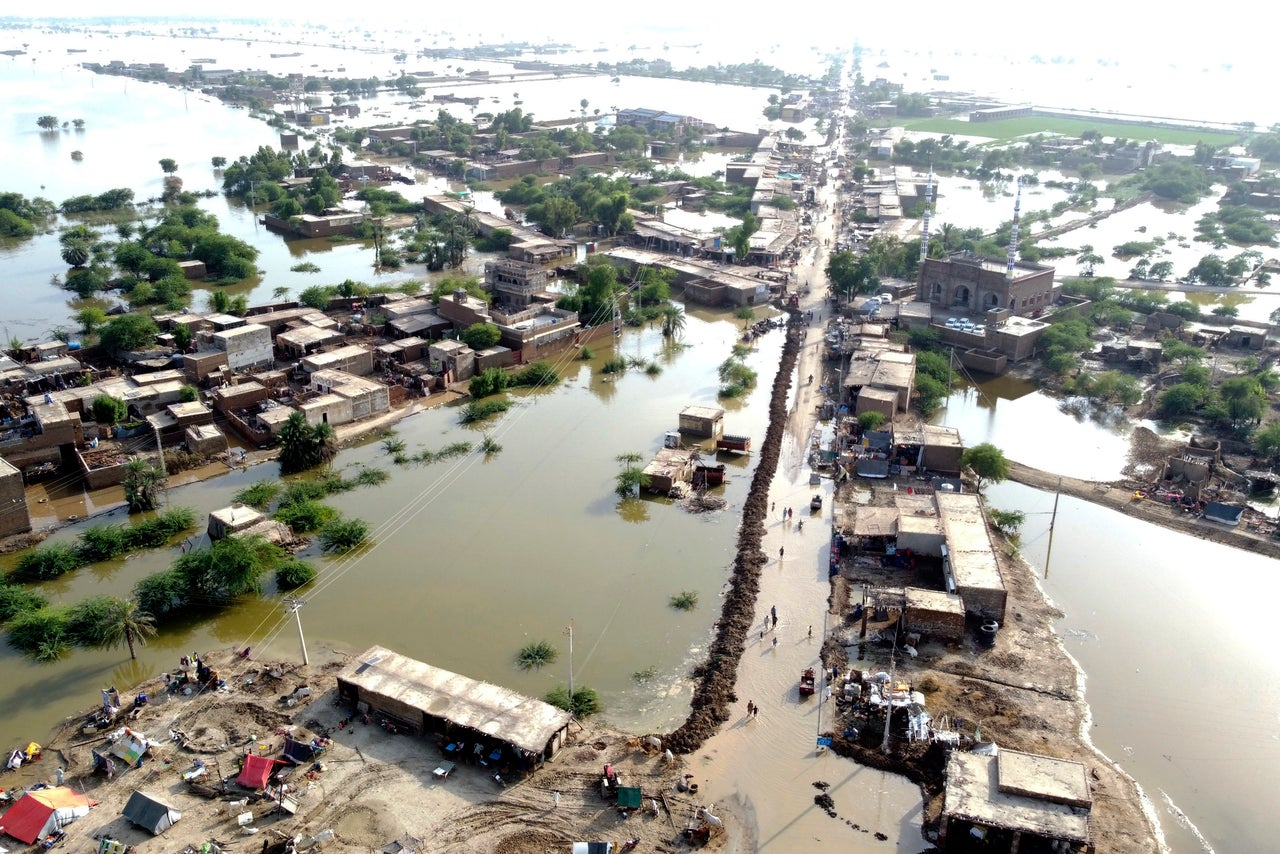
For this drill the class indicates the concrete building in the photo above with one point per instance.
(247, 346)
(972, 284)
(514, 282)
(361, 398)
(353, 359)
(1014, 801)
(305, 340)
(935, 614)
(706, 422)
(970, 566)
(14, 516)
(457, 360)
(882, 369)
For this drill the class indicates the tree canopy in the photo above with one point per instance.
(987, 462)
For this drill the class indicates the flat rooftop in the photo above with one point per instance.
(973, 560)
(1059, 780)
(973, 794)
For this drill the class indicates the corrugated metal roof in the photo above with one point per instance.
(491, 709)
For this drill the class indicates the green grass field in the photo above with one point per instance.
(1008, 129)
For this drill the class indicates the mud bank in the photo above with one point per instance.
(717, 675)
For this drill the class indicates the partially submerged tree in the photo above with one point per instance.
(126, 623)
(303, 446)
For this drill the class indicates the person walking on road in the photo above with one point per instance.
(775, 643)
(555, 800)
(782, 550)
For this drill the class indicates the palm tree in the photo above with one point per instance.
(672, 320)
(142, 482)
(125, 623)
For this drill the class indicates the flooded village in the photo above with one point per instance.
(882, 667)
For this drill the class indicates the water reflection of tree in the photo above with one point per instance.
(633, 510)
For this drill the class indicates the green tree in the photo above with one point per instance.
(1267, 441)
(128, 332)
(218, 162)
(1244, 398)
(555, 215)
(481, 336)
(168, 165)
(303, 446)
(90, 319)
(76, 253)
(109, 410)
(126, 623)
(142, 482)
(673, 320)
(987, 462)
(852, 274)
(47, 122)
(871, 420)
(1181, 399)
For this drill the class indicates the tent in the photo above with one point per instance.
(150, 813)
(44, 811)
(298, 752)
(256, 772)
(131, 747)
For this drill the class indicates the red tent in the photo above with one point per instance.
(257, 770)
(44, 811)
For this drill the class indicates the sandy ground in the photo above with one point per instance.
(371, 788)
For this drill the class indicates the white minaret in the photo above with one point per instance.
(928, 207)
(1013, 234)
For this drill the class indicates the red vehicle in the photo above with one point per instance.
(807, 682)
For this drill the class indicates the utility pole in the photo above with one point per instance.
(569, 631)
(888, 704)
(1048, 552)
(295, 606)
(164, 470)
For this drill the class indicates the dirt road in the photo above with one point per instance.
(1118, 495)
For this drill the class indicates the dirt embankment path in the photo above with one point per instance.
(1119, 495)
(713, 692)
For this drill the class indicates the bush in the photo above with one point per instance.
(46, 562)
(260, 494)
(585, 354)
(871, 420)
(86, 619)
(614, 365)
(15, 600)
(1007, 522)
(161, 594)
(685, 600)
(293, 573)
(481, 336)
(488, 382)
(536, 654)
(305, 517)
(109, 410)
(536, 375)
(584, 703)
(40, 633)
(483, 409)
(369, 476)
(101, 542)
(343, 535)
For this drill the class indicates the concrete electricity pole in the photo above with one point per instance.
(295, 606)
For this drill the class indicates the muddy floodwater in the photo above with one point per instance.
(1177, 637)
(474, 558)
